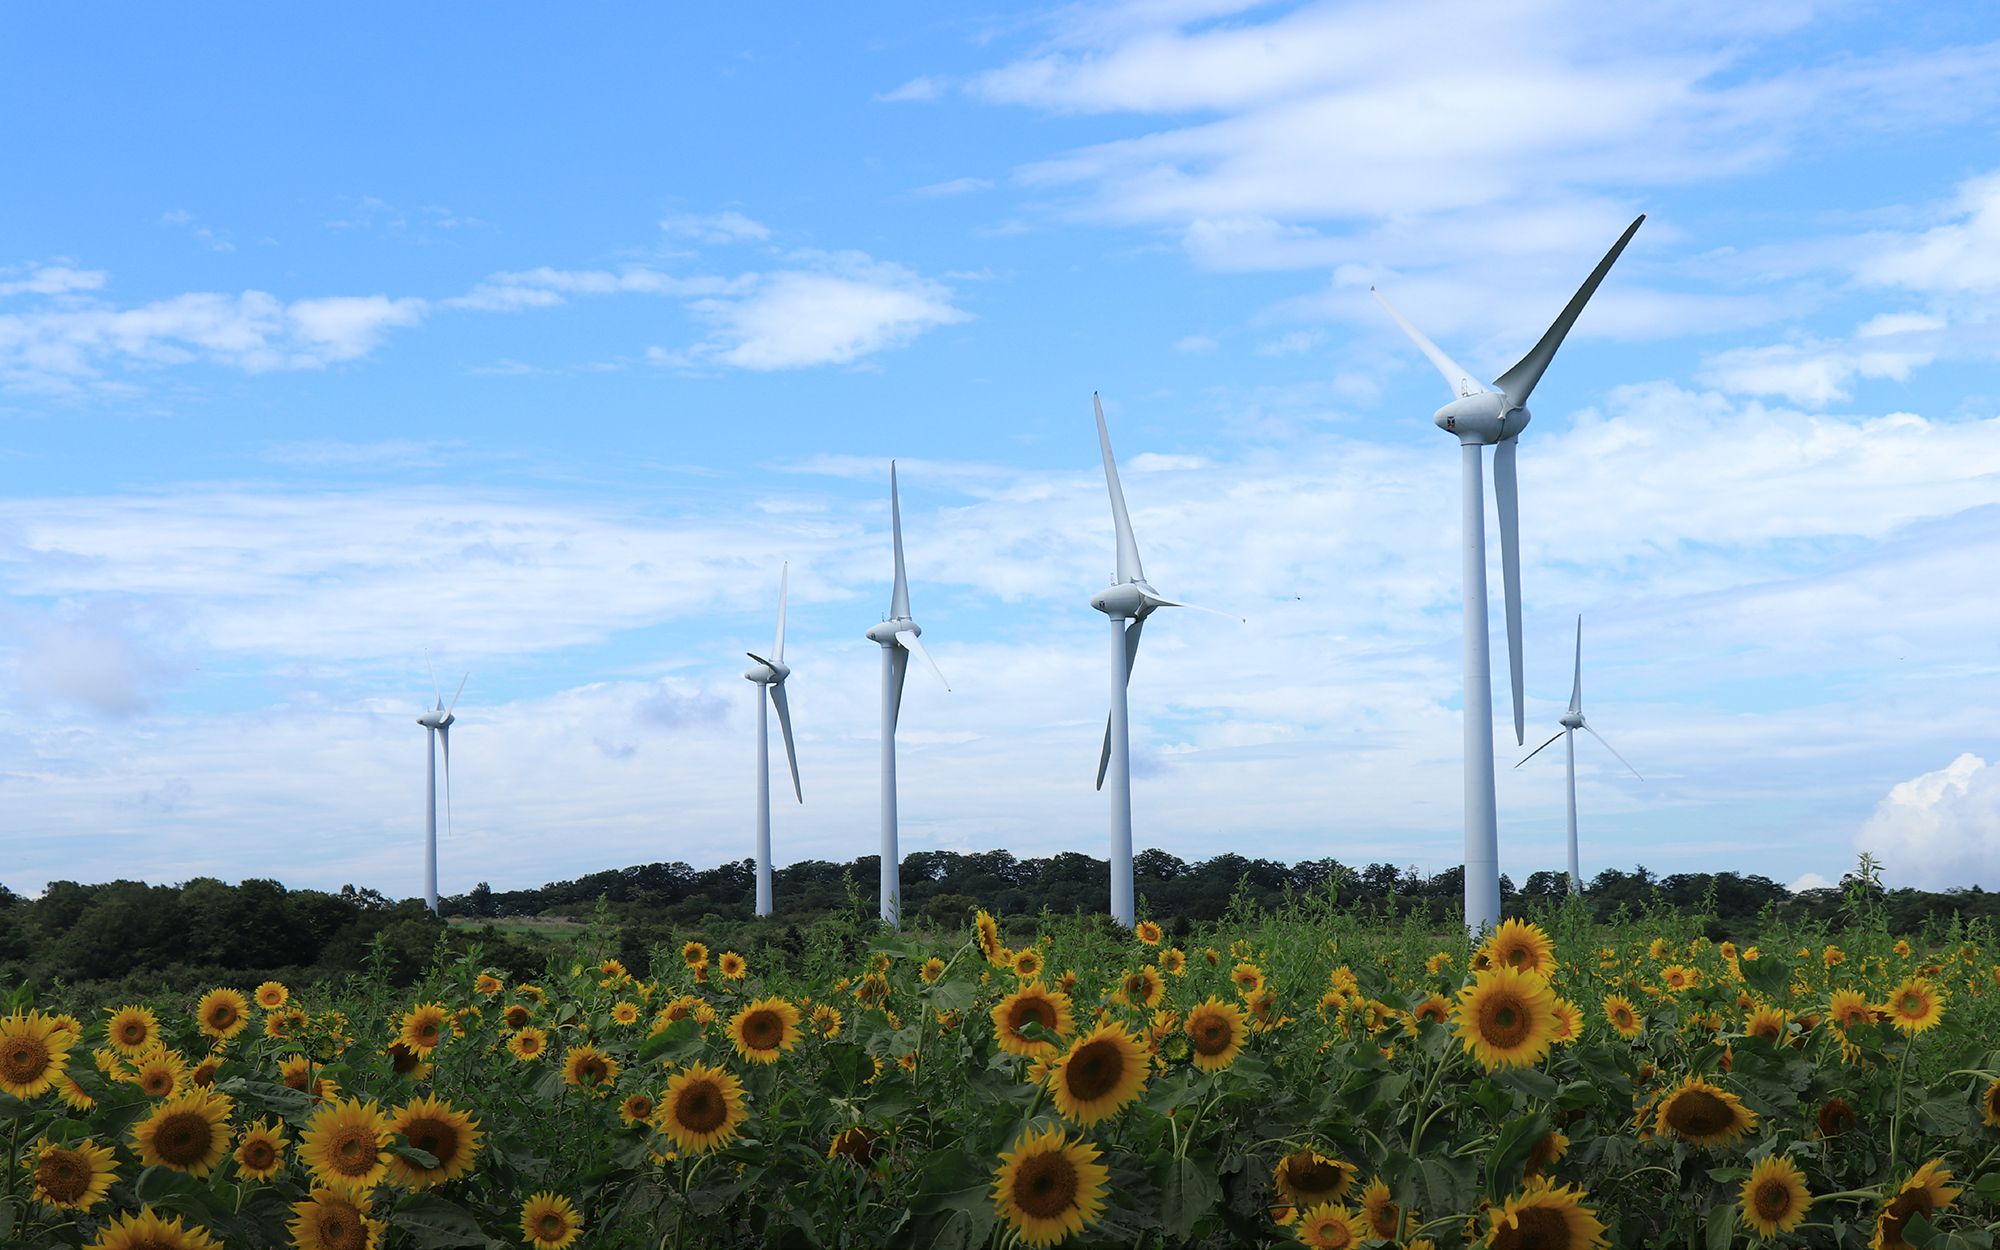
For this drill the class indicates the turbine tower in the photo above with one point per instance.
(897, 634)
(438, 722)
(771, 674)
(1477, 416)
(1572, 721)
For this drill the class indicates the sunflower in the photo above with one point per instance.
(1307, 1178)
(189, 1133)
(1031, 1003)
(486, 985)
(1247, 978)
(407, 1062)
(694, 955)
(1547, 1151)
(827, 1020)
(1215, 1034)
(1619, 1012)
(347, 1143)
(587, 1067)
(1675, 977)
(857, 1145)
(148, 1230)
(1774, 1197)
(1703, 1114)
(1773, 1024)
(222, 1014)
(1568, 1021)
(933, 969)
(732, 965)
(333, 1219)
(1100, 1074)
(160, 1074)
(72, 1176)
(1928, 1190)
(132, 1030)
(1027, 963)
(549, 1221)
(34, 1049)
(285, 1024)
(1328, 1227)
(624, 1012)
(1834, 1119)
(701, 1108)
(765, 1029)
(1850, 1009)
(1989, 1105)
(1049, 1187)
(987, 930)
(1173, 961)
(1144, 987)
(1545, 1217)
(447, 1135)
(637, 1109)
(1506, 1017)
(1915, 1005)
(1148, 932)
(1382, 1216)
(1435, 1009)
(422, 1028)
(204, 1073)
(272, 995)
(260, 1152)
(1522, 946)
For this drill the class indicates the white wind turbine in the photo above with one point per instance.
(771, 674)
(1477, 416)
(1572, 721)
(897, 634)
(438, 722)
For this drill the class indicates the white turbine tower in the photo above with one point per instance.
(771, 674)
(897, 634)
(438, 722)
(1572, 721)
(1477, 416)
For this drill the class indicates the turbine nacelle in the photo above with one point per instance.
(885, 632)
(766, 672)
(437, 718)
(1130, 600)
(1484, 418)
(1571, 720)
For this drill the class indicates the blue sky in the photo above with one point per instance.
(539, 343)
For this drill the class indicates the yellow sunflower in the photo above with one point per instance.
(1927, 1191)
(272, 995)
(1915, 1005)
(1568, 1022)
(1306, 1178)
(204, 1073)
(1850, 1009)
(732, 965)
(1834, 1118)
(637, 1109)
(1989, 1105)
(1248, 979)
(1328, 1227)
(1173, 961)
(625, 1012)
(1676, 977)
(160, 1074)
(529, 1043)
(1774, 1197)
(1048, 1187)
(1148, 932)
(72, 1176)
(333, 1218)
(987, 930)
(1100, 1074)
(1379, 1212)
(1506, 1017)
(422, 1028)
(1215, 1031)
(694, 954)
(34, 1050)
(448, 1135)
(1545, 1217)
(347, 1143)
(765, 1029)
(933, 969)
(857, 1145)
(189, 1133)
(549, 1221)
(1623, 1018)
(701, 1108)
(1034, 1003)
(1143, 988)
(149, 1230)
(486, 985)
(132, 1030)
(1027, 963)
(1703, 1114)
(1547, 1151)
(260, 1152)
(1773, 1024)
(588, 1068)
(827, 1020)
(222, 1014)
(1522, 946)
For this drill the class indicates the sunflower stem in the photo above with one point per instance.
(1896, 1120)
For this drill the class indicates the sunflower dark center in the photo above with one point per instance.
(1913, 1004)
(1045, 1185)
(762, 1029)
(700, 1107)
(639, 1106)
(354, 1151)
(340, 1228)
(1698, 1113)
(517, 1016)
(1314, 1180)
(1537, 1228)
(1503, 1021)
(183, 1139)
(258, 1154)
(25, 1060)
(1333, 1233)
(63, 1175)
(590, 1069)
(1212, 1034)
(221, 1016)
(1038, 1010)
(1094, 1070)
(550, 1225)
(1772, 1199)
(157, 1081)
(132, 1032)
(437, 1137)
(1898, 1212)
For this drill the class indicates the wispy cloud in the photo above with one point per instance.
(956, 186)
(847, 305)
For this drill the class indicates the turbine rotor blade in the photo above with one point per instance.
(777, 689)
(1456, 376)
(1131, 657)
(1129, 569)
(899, 666)
(760, 659)
(910, 642)
(899, 598)
(784, 575)
(453, 705)
(1538, 750)
(1506, 498)
(1519, 381)
(1158, 601)
(1576, 686)
(1614, 751)
(444, 737)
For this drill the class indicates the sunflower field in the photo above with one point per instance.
(1294, 1078)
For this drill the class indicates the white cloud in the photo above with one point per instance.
(547, 287)
(916, 91)
(1813, 373)
(1961, 256)
(728, 226)
(1809, 881)
(1195, 344)
(104, 657)
(1939, 830)
(51, 280)
(847, 306)
(956, 186)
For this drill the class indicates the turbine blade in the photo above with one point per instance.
(760, 659)
(453, 705)
(444, 738)
(909, 641)
(1461, 382)
(777, 689)
(1131, 657)
(899, 599)
(784, 575)
(1538, 750)
(1158, 601)
(1614, 751)
(1517, 383)
(1576, 686)
(1506, 499)
(899, 664)
(1128, 546)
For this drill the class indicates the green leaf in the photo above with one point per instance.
(1188, 1191)
(1721, 1225)
(422, 1158)
(671, 1038)
(1919, 1231)
(436, 1222)
(1510, 1152)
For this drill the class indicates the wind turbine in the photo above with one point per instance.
(897, 634)
(438, 721)
(1479, 415)
(771, 675)
(1572, 721)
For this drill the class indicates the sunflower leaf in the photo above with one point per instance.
(435, 1223)
(1188, 1191)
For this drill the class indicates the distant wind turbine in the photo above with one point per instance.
(1572, 721)
(771, 675)
(438, 722)
(1477, 416)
